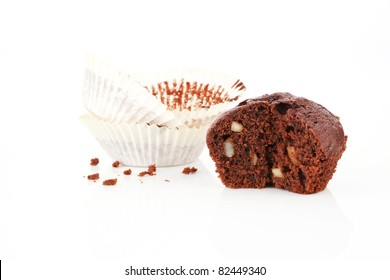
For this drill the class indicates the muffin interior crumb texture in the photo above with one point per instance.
(277, 140)
(110, 182)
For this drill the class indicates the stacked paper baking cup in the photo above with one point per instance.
(154, 118)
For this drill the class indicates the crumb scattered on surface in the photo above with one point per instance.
(93, 177)
(94, 161)
(110, 182)
(143, 173)
(189, 170)
(166, 180)
(115, 164)
(127, 172)
(151, 171)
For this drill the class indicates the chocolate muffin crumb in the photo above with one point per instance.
(151, 171)
(94, 161)
(189, 170)
(110, 182)
(115, 164)
(93, 176)
(127, 172)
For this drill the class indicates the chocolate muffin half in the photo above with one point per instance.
(277, 140)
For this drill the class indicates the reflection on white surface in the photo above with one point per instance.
(276, 224)
(153, 219)
(192, 216)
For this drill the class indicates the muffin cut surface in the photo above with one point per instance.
(277, 140)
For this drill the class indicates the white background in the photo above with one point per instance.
(56, 225)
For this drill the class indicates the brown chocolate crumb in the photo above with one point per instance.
(189, 170)
(110, 182)
(127, 172)
(176, 94)
(94, 161)
(93, 177)
(115, 164)
(151, 171)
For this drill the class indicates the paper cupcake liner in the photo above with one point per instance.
(195, 96)
(143, 145)
(114, 95)
(203, 116)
